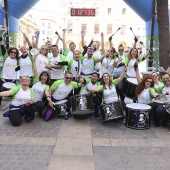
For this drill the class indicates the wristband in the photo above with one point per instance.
(136, 69)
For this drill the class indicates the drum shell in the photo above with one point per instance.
(59, 110)
(129, 89)
(79, 112)
(116, 106)
(132, 119)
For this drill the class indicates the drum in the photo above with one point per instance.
(159, 102)
(129, 87)
(8, 86)
(111, 111)
(61, 108)
(138, 116)
(82, 106)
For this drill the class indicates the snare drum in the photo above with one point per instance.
(138, 116)
(8, 86)
(129, 87)
(82, 106)
(110, 111)
(61, 107)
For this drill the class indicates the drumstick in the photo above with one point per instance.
(132, 32)
(52, 106)
(114, 33)
(143, 45)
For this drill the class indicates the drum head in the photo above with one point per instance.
(138, 106)
(9, 85)
(61, 102)
(132, 80)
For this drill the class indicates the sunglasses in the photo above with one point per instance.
(154, 75)
(147, 81)
(43, 49)
(167, 78)
(13, 52)
(69, 78)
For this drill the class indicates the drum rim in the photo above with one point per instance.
(9, 83)
(135, 83)
(60, 101)
(158, 101)
(139, 104)
(83, 95)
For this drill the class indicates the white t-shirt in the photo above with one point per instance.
(56, 73)
(144, 97)
(110, 95)
(98, 55)
(106, 66)
(39, 90)
(21, 97)
(62, 91)
(118, 71)
(74, 65)
(130, 68)
(41, 62)
(88, 66)
(87, 86)
(164, 91)
(69, 55)
(26, 67)
(50, 54)
(9, 68)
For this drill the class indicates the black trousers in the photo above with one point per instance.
(162, 114)
(15, 116)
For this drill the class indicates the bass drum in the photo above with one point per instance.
(111, 111)
(138, 116)
(82, 106)
(129, 87)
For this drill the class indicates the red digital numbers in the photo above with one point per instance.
(82, 12)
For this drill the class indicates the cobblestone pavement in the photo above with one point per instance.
(82, 144)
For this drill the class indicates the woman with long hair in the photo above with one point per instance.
(157, 82)
(41, 89)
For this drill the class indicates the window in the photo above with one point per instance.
(123, 11)
(43, 24)
(109, 28)
(109, 10)
(123, 30)
(97, 10)
(49, 25)
(70, 28)
(96, 29)
(139, 29)
(84, 27)
(43, 32)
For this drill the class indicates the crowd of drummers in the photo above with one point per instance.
(48, 75)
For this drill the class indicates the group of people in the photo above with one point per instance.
(49, 77)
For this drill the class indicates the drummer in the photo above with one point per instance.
(10, 64)
(108, 87)
(145, 91)
(161, 113)
(60, 90)
(21, 104)
(41, 89)
(91, 83)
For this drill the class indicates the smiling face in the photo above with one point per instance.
(106, 78)
(43, 50)
(148, 83)
(68, 78)
(43, 78)
(24, 50)
(166, 80)
(94, 78)
(13, 53)
(134, 53)
(25, 81)
(76, 54)
(155, 77)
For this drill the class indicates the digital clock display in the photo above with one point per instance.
(82, 12)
